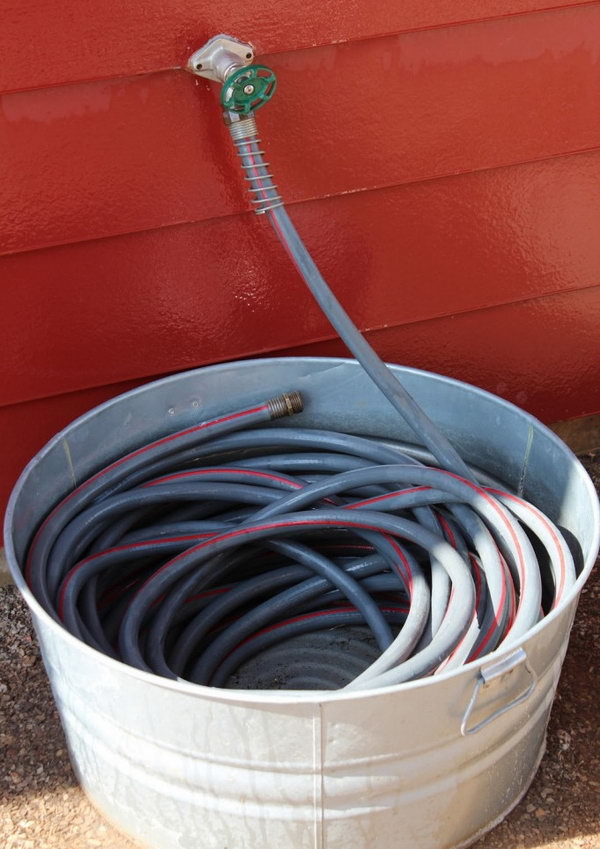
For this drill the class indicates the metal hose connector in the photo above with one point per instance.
(287, 404)
(244, 134)
(245, 128)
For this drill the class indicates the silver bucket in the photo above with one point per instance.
(424, 765)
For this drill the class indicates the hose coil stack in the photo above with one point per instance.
(228, 541)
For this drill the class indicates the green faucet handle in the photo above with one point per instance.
(248, 89)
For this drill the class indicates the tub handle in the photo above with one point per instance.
(490, 673)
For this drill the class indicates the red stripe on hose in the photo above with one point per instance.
(69, 577)
(121, 460)
(550, 529)
(246, 472)
(477, 574)
(479, 490)
(378, 498)
(271, 526)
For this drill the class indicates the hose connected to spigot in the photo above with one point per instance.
(149, 558)
(245, 87)
(215, 61)
(213, 544)
(244, 134)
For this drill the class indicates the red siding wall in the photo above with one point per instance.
(441, 158)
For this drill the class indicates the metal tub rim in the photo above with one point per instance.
(279, 697)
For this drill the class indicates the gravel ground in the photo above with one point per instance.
(41, 806)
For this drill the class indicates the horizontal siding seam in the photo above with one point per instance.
(374, 37)
(314, 341)
(312, 199)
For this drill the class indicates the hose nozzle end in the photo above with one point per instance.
(287, 404)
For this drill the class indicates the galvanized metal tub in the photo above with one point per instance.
(178, 765)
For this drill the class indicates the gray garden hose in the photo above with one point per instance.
(193, 554)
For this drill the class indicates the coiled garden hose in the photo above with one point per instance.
(232, 540)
